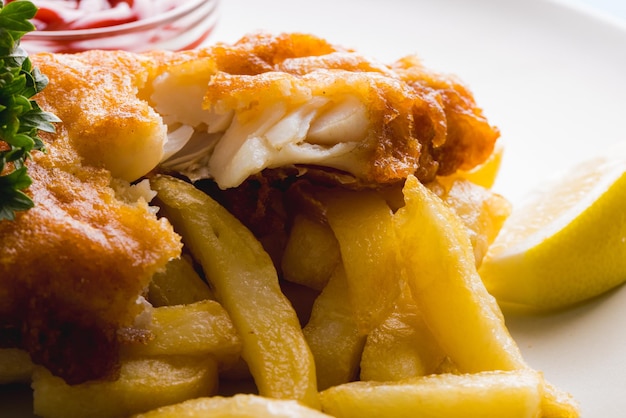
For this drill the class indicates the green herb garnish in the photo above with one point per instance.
(21, 118)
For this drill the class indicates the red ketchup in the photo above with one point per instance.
(133, 25)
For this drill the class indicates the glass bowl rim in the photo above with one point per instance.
(186, 7)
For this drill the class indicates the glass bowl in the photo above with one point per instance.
(183, 27)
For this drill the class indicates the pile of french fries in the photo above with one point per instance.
(400, 323)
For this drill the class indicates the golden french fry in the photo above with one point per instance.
(143, 384)
(482, 212)
(362, 223)
(200, 329)
(401, 347)
(15, 366)
(246, 284)
(438, 259)
(238, 406)
(332, 334)
(488, 394)
(557, 403)
(464, 318)
(179, 284)
(311, 254)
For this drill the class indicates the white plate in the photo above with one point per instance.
(552, 78)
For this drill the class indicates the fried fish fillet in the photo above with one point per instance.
(268, 101)
(294, 99)
(73, 269)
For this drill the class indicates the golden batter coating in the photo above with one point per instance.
(96, 95)
(72, 269)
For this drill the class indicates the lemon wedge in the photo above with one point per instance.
(566, 242)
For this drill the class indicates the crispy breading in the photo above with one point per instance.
(73, 267)
(469, 137)
(96, 94)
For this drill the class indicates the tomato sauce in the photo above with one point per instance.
(133, 25)
(88, 14)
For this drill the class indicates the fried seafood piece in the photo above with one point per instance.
(97, 95)
(73, 268)
(295, 99)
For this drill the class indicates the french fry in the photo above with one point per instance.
(557, 403)
(143, 384)
(199, 329)
(464, 318)
(482, 212)
(311, 254)
(15, 366)
(333, 335)
(401, 347)
(438, 259)
(488, 394)
(238, 406)
(246, 284)
(179, 284)
(362, 223)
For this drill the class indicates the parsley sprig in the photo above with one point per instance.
(21, 118)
